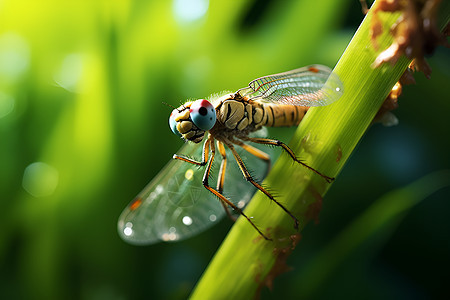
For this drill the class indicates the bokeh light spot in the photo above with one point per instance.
(40, 179)
(70, 73)
(187, 220)
(128, 230)
(189, 175)
(212, 218)
(190, 10)
(14, 56)
(6, 104)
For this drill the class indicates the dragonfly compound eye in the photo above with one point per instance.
(203, 114)
(173, 123)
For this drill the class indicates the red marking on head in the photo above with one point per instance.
(136, 203)
(196, 105)
(313, 69)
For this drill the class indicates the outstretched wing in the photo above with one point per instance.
(313, 85)
(175, 205)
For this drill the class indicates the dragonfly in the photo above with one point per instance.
(177, 203)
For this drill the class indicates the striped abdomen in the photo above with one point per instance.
(282, 115)
(242, 114)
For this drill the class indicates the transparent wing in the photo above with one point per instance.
(313, 85)
(176, 206)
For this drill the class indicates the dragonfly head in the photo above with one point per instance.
(192, 119)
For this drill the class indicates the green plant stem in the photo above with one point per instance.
(324, 140)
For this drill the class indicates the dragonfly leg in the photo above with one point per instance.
(254, 151)
(221, 178)
(249, 178)
(223, 166)
(205, 154)
(222, 197)
(289, 151)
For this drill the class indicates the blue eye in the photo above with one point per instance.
(203, 114)
(173, 124)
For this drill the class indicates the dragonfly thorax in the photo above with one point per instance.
(192, 119)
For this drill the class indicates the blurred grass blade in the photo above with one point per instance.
(373, 227)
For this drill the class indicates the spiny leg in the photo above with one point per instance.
(205, 154)
(221, 177)
(249, 178)
(289, 151)
(222, 197)
(255, 152)
(206, 146)
(223, 166)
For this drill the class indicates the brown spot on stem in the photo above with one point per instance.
(338, 153)
(314, 208)
(280, 266)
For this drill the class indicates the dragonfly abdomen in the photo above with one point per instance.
(237, 114)
(282, 115)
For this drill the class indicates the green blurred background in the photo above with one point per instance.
(83, 129)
